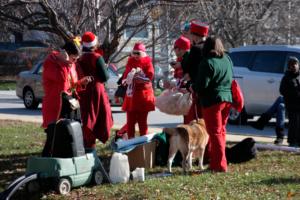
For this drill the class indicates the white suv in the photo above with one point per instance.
(259, 69)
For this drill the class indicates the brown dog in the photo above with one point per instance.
(187, 138)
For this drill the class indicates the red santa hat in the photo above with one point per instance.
(183, 43)
(199, 28)
(139, 46)
(89, 39)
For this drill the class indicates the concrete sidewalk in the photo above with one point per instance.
(231, 137)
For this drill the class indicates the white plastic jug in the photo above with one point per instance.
(138, 174)
(119, 168)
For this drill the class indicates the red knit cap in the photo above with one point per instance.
(183, 43)
(139, 47)
(199, 28)
(89, 39)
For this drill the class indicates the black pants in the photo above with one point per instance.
(294, 128)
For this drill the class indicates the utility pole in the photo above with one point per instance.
(153, 51)
(153, 44)
(289, 22)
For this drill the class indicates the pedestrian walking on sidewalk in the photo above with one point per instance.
(290, 89)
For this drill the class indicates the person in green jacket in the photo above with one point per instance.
(213, 87)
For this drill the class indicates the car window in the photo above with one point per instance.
(269, 61)
(112, 72)
(289, 54)
(241, 59)
(40, 69)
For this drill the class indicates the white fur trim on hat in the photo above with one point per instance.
(90, 44)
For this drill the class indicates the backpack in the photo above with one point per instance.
(242, 151)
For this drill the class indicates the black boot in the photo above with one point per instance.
(262, 121)
(280, 135)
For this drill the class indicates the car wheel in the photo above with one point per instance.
(63, 186)
(160, 84)
(236, 117)
(97, 177)
(29, 99)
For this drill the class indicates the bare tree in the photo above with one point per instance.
(66, 18)
(238, 21)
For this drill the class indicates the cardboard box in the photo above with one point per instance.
(142, 156)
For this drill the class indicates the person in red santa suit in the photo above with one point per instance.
(139, 98)
(94, 103)
(60, 77)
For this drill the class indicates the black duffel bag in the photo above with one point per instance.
(242, 151)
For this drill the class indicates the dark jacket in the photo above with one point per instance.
(191, 61)
(290, 89)
(213, 83)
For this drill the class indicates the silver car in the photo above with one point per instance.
(29, 86)
(30, 89)
(259, 69)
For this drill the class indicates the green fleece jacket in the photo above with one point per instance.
(213, 81)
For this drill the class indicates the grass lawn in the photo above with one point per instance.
(272, 175)
(7, 85)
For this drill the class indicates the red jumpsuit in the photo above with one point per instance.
(142, 100)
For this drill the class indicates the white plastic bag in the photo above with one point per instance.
(174, 101)
(119, 168)
(138, 174)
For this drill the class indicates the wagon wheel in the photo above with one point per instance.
(64, 186)
(97, 177)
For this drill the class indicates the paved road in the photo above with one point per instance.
(12, 108)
